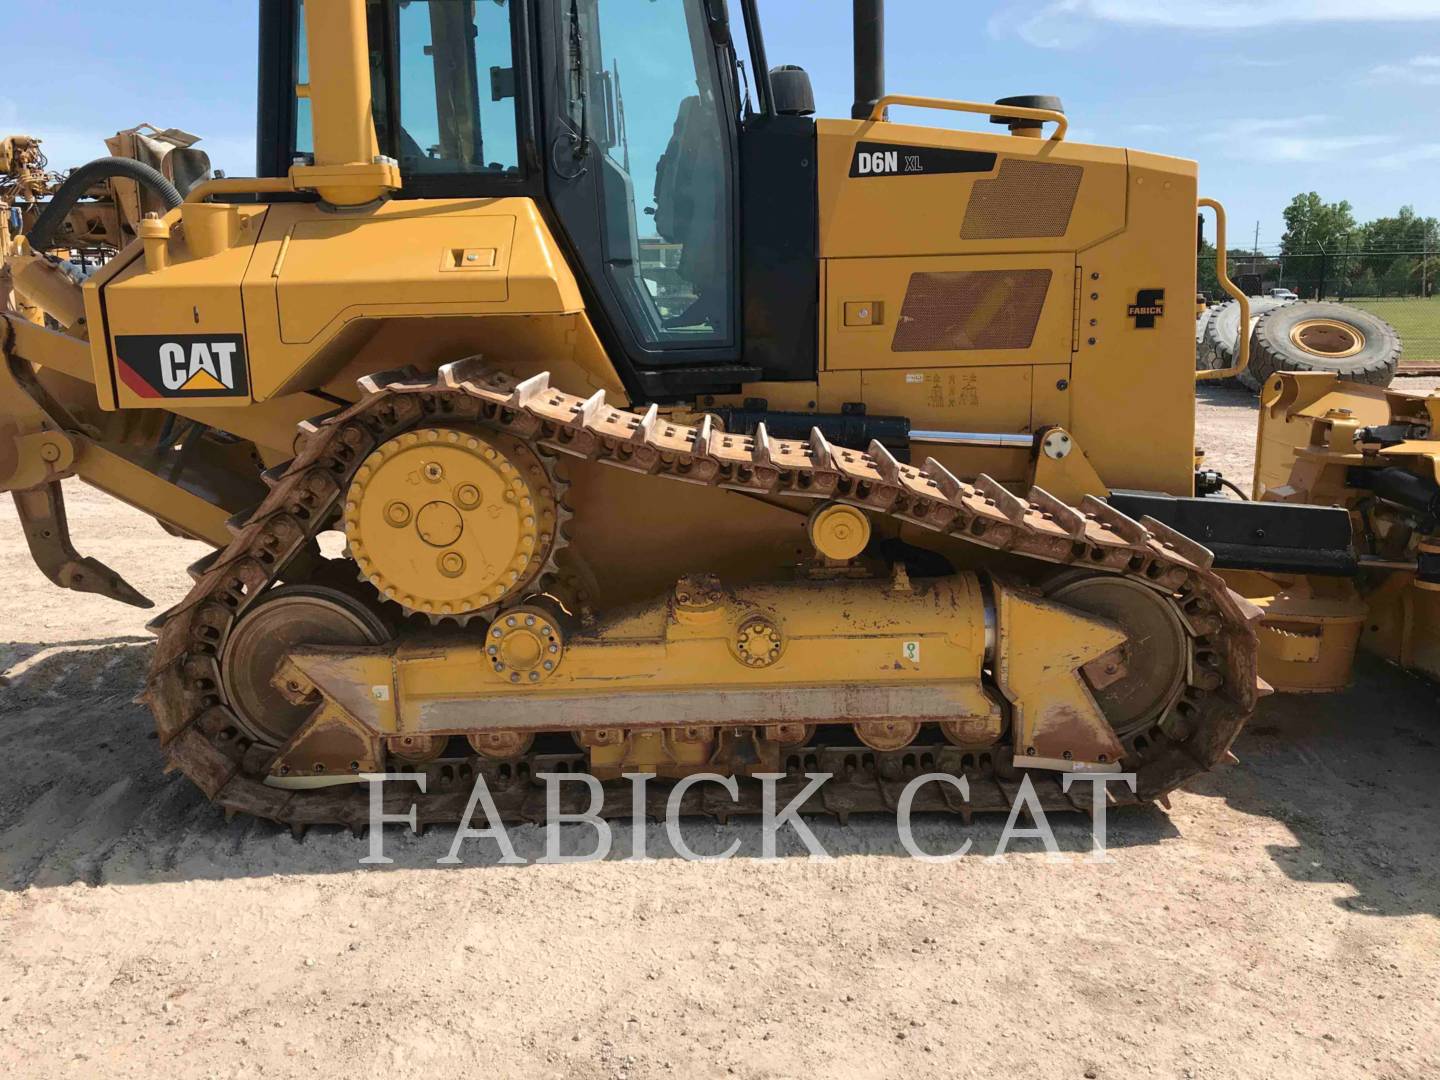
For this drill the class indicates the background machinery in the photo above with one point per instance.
(1288, 334)
(552, 405)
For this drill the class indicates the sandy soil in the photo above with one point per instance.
(1282, 920)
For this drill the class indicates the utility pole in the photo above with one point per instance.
(1344, 267)
(1425, 268)
(1255, 259)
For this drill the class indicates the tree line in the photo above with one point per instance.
(1325, 252)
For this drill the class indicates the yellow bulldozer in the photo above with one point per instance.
(562, 396)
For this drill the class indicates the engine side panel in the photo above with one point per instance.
(295, 291)
(952, 260)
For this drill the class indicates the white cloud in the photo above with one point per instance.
(1419, 70)
(1312, 140)
(1405, 158)
(1263, 127)
(1262, 62)
(1060, 23)
(1290, 149)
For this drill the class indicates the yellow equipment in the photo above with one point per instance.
(667, 431)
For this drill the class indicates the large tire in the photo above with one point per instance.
(1222, 336)
(1333, 338)
(1203, 357)
(1205, 352)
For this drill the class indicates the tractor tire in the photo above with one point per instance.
(1333, 338)
(1220, 344)
(1222, 336)
(1202, 323)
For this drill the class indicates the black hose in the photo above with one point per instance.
(42, 233)
(1235, 488)
(1399, 486)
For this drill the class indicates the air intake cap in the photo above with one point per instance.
(1026, 101)
(791, 89)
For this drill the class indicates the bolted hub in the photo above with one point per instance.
(448, 522)
(699, 593)
(524, 646)
(1057, 445)
(758, 642)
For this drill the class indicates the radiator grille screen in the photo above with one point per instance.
(1026, 199)
(971, 309)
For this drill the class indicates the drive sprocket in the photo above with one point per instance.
(450, 523)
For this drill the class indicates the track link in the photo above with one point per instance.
(202, 738)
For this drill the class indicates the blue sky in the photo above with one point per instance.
(1272, 96)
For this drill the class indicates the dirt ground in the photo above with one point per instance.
(1283, 920)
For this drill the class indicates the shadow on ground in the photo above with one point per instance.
(1227, 392)
(1356, 778)
(83, 797)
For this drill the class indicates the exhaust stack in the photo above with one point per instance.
(869, 57)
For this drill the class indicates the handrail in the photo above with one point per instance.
(1062, 125)
(241, 185)
(1242, 352)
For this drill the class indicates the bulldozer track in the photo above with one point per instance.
(202, 738)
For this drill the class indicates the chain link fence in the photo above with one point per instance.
(1401, 287)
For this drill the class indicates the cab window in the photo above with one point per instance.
(456, 87)
(450, 80)
(304, 132)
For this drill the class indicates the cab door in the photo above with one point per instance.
(640, 136)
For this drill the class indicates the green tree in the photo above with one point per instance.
(1312, 225)
(1207, 281)
(1245, 268)
(1317, 233)
(1399, 252)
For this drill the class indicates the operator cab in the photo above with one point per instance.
(631, 125)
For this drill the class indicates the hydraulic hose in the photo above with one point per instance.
(1398, 486)
(42, 233)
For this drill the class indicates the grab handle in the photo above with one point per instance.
(1242, 352)
(1062, 125)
